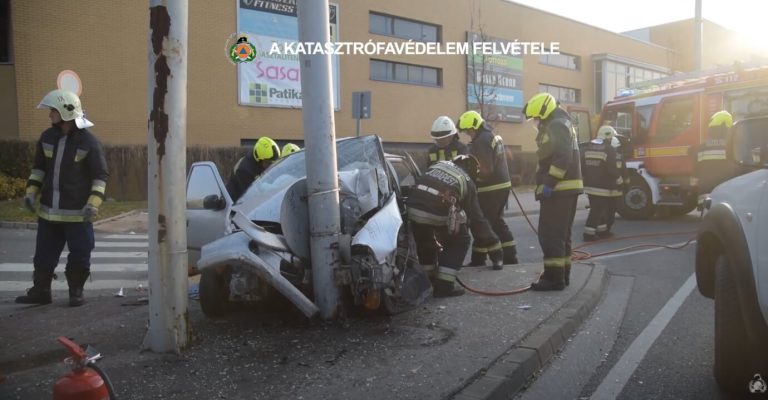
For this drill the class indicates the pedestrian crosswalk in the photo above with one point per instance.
(117, 261)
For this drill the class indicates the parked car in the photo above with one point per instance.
(732, 260)
(248, 250)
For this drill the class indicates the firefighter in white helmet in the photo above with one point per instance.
(603, 181)
(447, 144)
(69, 176)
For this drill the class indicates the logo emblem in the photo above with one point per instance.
(757, 384)
(241, 50)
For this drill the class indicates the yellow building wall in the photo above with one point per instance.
(106, 43)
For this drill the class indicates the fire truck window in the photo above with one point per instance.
(675, 117)
(644, 116)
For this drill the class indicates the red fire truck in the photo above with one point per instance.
(664, 123)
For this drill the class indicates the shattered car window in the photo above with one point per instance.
(351, 154)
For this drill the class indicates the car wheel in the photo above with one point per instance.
(637, 202)
(214, 293)
(732, 349)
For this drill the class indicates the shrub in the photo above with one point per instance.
(11, 188)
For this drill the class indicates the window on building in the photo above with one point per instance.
(561, 60)
(405, 73)
(5, 31)
(562, 94)
(674, 118)
(388, 25)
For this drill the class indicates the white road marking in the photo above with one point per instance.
(618, 376)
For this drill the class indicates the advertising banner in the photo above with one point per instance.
(495, 82)
(274, 80)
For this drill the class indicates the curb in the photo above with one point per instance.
(33, 225)
(510, 372)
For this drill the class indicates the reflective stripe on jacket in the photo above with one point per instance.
(491, 154)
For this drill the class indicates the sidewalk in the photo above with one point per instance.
(469, 347)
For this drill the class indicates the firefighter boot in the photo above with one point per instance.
(443, 288)
(567, 277)
(551, 279)
(478, 259)
(76, 280)
(497, 259)
(40, 293)
(510, 255)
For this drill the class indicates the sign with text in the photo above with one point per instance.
(495, 82)
(274, 80)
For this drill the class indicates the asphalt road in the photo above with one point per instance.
(625, 350)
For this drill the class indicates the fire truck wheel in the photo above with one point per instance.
(637, 201)
(214, 292)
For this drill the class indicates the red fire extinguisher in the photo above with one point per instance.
(86, 381)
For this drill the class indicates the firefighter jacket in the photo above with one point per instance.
(489, 150)
(444, 184)
(601, 169)
(446, 153)
(558, 154)
(246, 171)
(712, 168)
(69, 172)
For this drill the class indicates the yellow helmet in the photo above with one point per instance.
(721, 118)
(288, 149)
(540, 106)
(68, 105)
(266, 149)
(470, 120)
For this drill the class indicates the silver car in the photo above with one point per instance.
(248, 251)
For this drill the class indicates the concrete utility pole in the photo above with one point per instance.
(698, 47)
(320, 144)
(166, 150)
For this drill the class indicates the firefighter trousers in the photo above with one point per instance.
(555, 222)
(51, 238)
(441, 254)
(492, 205)
(602, 213)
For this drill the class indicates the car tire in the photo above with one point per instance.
(214, 293)
(732, 349)
(637, 202)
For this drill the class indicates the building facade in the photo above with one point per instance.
(106, 42)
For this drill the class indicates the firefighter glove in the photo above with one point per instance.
(90, 212)
(546, 191)
(29, 201)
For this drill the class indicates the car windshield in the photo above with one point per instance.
(351, 154)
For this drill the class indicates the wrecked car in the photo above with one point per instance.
(250, 250)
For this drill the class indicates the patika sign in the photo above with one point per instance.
(270, 79)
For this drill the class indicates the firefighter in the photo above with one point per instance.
(69, 177)
(248, 168)
(558, 185)
(712, 168)
(447, 144)
(441, 206)
(289, 148)
(493, 184)
(602, 183)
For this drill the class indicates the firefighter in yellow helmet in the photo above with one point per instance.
(288, 149)
(447, 144)
(493, 185)
(603, 181)
(248, 168)
(69, 177)
(711, 167)
(558, 185)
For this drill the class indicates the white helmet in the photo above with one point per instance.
(606, 132)
(68, 105)
(615, 143)
(443, 127)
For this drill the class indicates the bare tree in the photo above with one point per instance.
(482, 90)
